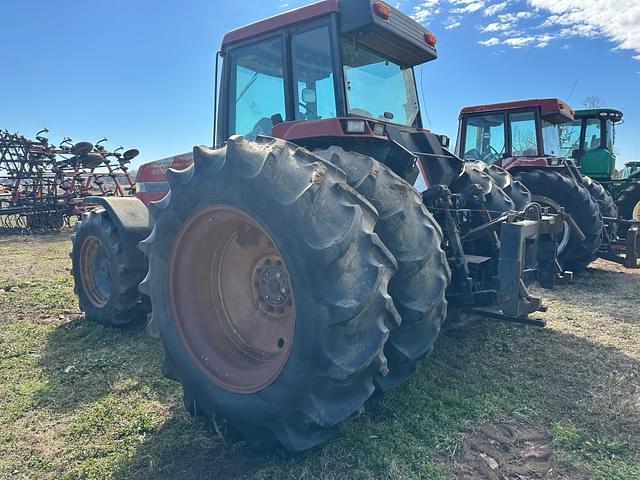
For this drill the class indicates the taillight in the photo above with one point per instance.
(431, 39)
(382, 10)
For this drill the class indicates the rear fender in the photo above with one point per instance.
(132, 221)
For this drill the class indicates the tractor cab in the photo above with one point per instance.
(631, 170)
(589, 139)
(335, 72)
(511, 134)
(326, 61)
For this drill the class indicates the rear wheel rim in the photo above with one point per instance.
(555, 208)
(232, 299)
(636, 211)
(96, 271)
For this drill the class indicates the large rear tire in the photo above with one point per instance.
(605, 201)
(414, 238)
(628, 204)
(553, 189)
(106, 285)
(496, 199)
(515, 189)
(243, 222)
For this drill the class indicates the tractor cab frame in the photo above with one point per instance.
(343, 75)
(515, 135)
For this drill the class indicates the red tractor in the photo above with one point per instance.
(293, 269)
(523, 138)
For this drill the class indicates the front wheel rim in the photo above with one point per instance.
(95, 271)
(232, 299)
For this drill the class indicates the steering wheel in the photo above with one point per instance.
(491, 156)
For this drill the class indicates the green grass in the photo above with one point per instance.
(78, 400)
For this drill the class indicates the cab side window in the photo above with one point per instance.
(524, 139)
(592, 134)
(257, 88)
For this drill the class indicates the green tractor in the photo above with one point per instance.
(590, 140)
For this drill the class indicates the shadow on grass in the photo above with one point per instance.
(616, 294)
(83, 362)
(495, 370)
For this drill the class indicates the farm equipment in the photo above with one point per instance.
(523, 138)
(293, 269)
(590, 140)
(42, 185)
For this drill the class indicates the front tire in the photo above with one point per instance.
(605, 201)
(287, 370)
(107, 287)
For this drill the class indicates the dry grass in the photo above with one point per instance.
(81, 401)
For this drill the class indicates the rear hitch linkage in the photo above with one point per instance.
(526, 246)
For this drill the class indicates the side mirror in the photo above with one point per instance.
(309, 95)
(575, 154)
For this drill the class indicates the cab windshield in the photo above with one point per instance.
(378, 88)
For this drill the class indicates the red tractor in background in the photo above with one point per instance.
(523, 138)
(293, 269)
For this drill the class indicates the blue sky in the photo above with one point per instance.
(140, 72)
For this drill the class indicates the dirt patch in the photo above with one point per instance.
(505, 451)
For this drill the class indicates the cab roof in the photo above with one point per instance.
(548, 106)
(282, 20)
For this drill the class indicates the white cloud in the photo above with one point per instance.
(470, 6)
(534, 23)
(514, 17)
(495, 8)
(617, 20)
(497, 27)
(539, 41)
(425, 10)
(490, 42)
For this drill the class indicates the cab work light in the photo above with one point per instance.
(382, 10)
(355, 126)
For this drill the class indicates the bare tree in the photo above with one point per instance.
(592, 102)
